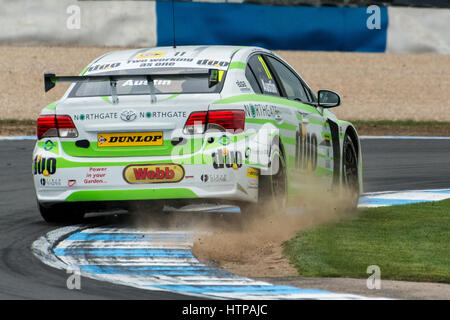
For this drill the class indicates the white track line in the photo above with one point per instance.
(387, 198)
(17, 137)
(144, 264)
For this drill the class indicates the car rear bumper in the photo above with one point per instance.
(61, 178)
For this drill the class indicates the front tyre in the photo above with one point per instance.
(61, 213)
(350, 178)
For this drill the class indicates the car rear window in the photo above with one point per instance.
(171, 85)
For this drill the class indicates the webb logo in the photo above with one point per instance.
(153, 173)
(144, 173)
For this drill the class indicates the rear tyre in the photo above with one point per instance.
(350, 178)
(272, 193)
(60, 213)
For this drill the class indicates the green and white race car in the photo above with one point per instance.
(191, 124)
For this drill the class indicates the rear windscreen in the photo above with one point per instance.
(176, 83)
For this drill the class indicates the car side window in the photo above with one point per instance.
(291, 83)
(310, 94)
(251, 78)
(263, 75)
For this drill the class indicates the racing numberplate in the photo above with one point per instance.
(129, 139)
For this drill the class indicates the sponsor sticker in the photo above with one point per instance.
(52, 182)
(260, 110)
(95, 175)
(128, 139)
(44, 166)
(153, 173)
(49, 145)
(156, 82)
(252, 173)
(214, 178)
(108, 66)
(223, 158)
(242, 86)
(212, 62)
(150, 55)
(128, 115)
(96, 116)
(224, 140)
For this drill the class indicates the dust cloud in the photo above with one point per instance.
(252, 245)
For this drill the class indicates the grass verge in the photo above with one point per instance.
(11, 122)
(408, 242)
(15, 127)
(402, 128)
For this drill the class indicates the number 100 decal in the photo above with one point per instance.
(305, 150)
(44, 166)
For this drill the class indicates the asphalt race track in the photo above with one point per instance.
(405, 164)
(389, 164)
(23, 276)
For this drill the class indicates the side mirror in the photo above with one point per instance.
(328, 99)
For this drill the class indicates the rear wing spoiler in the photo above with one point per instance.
(50, 79)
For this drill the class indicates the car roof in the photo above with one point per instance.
(181, 56)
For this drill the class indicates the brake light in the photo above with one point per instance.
(56, 126)
(196, 122)
(229, 120)
(46, 127)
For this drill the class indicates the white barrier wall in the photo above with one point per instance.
(418, 30)
(136, 23)
(71, 22)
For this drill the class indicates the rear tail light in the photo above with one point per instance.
(66, 128)
(46, 127)
(196, 122)
(56, 126)
(229, 120)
